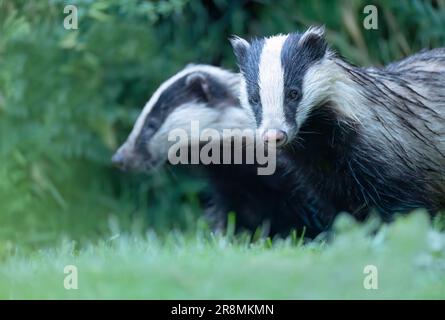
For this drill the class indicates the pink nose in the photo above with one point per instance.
(277, 136)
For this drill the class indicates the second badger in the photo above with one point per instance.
(210, 95)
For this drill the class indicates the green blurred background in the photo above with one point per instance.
(68, 98)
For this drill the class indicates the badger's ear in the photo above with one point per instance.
(199, 84)
(314, 41)
(240, 48)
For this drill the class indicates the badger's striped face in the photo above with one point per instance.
(274, 83)
(198, 93)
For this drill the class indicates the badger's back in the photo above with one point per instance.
(423, 61)
(392, 156)
(409, 112)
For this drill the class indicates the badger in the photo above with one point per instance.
(366, 138)
(209, 94)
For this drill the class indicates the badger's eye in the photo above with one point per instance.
(254, 100)
(293, 94)
(150, 124)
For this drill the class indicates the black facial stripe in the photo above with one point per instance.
(219, 93)
(168, 101)
(296, 59)
(140, 146)
(176, 95)
(250, 70)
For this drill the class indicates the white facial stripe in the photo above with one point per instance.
(316, 87)
(271, 83)
(183, 116)
(323, 81)
(208, 118)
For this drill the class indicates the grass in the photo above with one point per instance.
(409, 256)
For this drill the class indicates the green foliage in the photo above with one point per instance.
(68, 98)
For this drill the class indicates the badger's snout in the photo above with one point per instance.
(127, 158)
(276, 136)
(119, 160)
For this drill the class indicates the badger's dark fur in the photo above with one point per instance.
(279, 200)
(364, 138)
